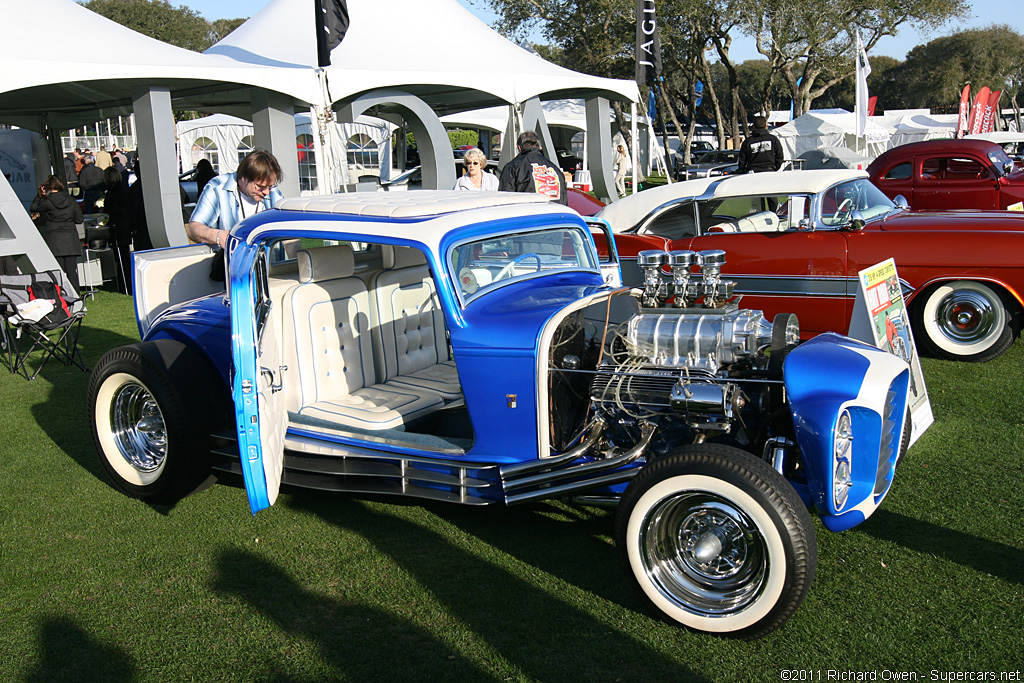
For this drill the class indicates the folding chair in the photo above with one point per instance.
(21, 337)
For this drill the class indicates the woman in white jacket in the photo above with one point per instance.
(475, 179)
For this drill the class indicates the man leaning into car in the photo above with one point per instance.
(231, 197)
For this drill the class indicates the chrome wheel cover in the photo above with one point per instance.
(138, 427)
(967, 316)
(704, 554)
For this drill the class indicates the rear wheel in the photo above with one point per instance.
(718, 541)
(965, 320)
(153, 406)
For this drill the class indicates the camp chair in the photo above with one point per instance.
(21, 336)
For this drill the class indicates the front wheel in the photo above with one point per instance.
(153, 408)
(718, 541)
(965, 320)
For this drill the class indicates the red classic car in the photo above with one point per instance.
(795, 241)
(936, 175)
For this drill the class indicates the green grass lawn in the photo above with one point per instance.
(95, 586)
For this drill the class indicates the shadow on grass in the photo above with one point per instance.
(987, 557)
(361, 643)
(540, 632)
(71, 654)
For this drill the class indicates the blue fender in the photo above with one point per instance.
(825, 376)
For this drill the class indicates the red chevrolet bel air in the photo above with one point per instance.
(949, 174)
(795, 241)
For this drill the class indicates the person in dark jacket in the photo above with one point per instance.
(531, 171)
(90, 180)
(115, 205)
(137, 212)
(762, 151)
(60, 214)
(204, 174)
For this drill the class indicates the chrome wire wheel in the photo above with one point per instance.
(138, 427)
(704, 554)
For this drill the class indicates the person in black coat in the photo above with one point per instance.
(531, 171)
(115, 204)
(204, 174)
(60, 215)
(90, 180)
(762, 151)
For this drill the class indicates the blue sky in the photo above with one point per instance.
(985, 12)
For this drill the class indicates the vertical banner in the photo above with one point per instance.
(880, 318)
(991, 112)
(648, 46)
(861, 104)
(872, 101)
(965, 108)
(331, 27)
(978, 111)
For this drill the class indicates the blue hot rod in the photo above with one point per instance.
(472, 348)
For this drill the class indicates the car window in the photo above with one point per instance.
(952, 168)
(838, 202)
(999, 158)
(483, 265)
(758, 213)
(899, 172)
(675, 224)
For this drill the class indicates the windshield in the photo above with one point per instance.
(1000, 159)
(856, 195)
(486, 264)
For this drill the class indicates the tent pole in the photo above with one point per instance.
(633, 134)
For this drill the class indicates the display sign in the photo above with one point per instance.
(880, 318)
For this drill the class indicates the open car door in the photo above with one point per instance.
(260, 415)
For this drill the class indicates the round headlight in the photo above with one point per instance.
(842, 449)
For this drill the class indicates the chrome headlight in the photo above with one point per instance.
(842, 452)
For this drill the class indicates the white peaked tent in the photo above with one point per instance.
(906, 127)
(830, 128)
(422, 47)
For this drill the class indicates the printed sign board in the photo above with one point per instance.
(880, 318)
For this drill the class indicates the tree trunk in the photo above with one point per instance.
(710, 90)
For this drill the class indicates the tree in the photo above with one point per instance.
(158, 19)
(809, 43)
(936, 72)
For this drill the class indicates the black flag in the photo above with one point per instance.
(331, 26)
(648, 47)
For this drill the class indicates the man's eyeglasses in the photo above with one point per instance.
(262, 188)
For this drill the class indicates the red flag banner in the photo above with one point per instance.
(872, 101)
(965, 108)
(991, 111)
(978, 111)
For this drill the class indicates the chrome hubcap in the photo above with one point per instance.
(704, 554)
(138, 428)
(966, 316)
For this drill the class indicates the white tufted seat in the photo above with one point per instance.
(329, 312)
(409, 337)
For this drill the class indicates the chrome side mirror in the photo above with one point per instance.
(1008, 167)
(857, 221)
(804, 225)
(901, 202)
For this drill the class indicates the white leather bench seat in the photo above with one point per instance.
(330, 344)
(409, 334)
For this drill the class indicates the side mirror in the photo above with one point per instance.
(857, 221)
(804, 225)
(901, 202)
(1008, 167)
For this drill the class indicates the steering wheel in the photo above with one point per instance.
(510, 266)
(845, 203)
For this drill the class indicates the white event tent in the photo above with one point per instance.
(830, 128)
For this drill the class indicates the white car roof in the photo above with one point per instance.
(627, 212)
(425, 216)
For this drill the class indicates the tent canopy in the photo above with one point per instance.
(829, 128)
(416, 46)
(917, 126)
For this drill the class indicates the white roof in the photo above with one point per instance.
(571, 113)
(53, 61)
(999, 136)
(441, 210)
(630, 210)
(829, 128)
(414, 45)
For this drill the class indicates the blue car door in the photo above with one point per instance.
(260, 414)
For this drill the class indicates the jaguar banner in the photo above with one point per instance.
(648, 46)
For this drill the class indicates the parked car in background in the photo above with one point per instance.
(797, 239)
(950, 174)
(466, 347)
(710, 164)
